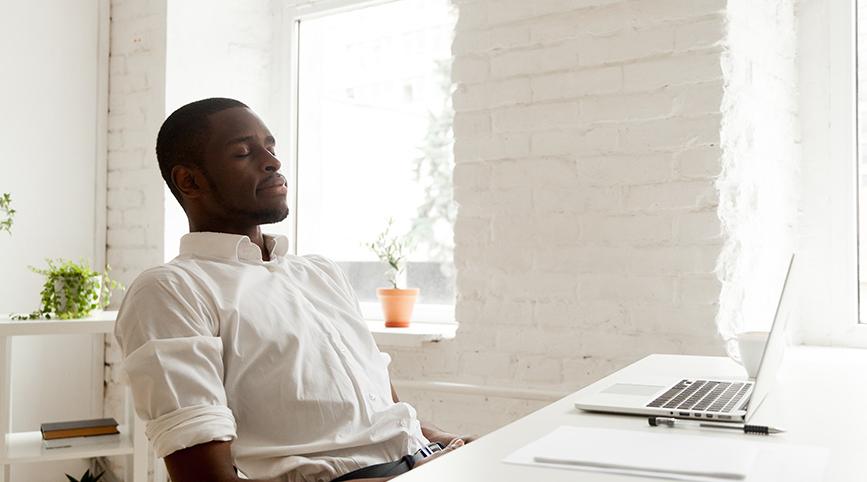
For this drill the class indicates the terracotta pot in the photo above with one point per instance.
(397, 305)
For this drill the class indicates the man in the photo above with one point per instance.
(242, 356)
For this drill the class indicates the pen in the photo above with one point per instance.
(672, 422)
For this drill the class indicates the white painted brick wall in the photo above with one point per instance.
(137, 69)
(587, 143)
(134, 199)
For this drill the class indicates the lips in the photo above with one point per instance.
(272, 182)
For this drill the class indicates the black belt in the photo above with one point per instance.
(390, 469)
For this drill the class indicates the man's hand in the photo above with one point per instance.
(436, 435)
(432, 433)
(455, 444)
(451, 446)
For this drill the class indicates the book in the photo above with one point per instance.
(78, 428)
(81, 441)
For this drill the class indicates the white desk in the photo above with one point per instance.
(793, 405)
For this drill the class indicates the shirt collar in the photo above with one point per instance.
(233, 247)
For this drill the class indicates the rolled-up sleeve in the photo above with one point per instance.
(173, 361)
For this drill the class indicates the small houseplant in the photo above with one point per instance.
(71, 290)
(87, 477)
(6, 212)
(397, 303)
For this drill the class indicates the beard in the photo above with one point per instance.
(258, 216)
(262, 216)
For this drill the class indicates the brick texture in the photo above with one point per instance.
(587, 145)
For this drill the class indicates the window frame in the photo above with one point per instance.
(286, 95)
(827, 254)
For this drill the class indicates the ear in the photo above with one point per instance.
(189, 181)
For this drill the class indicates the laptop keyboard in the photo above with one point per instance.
(703, 395)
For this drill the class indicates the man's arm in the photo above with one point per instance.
(211, 461)
(448, 448)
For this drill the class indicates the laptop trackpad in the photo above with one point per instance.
(632, 389)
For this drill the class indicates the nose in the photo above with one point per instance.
(272, 164)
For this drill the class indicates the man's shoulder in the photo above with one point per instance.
(164, 275)
(160, 290)
(319, 260)
(327, 265)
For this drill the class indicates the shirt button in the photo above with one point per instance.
(371, 396)
(403, 423)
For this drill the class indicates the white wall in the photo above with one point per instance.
(215, 49)
(49, 87)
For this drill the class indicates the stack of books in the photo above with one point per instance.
(79, 432)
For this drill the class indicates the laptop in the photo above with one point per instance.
(706, 398)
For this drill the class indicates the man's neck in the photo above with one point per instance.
(254, 233)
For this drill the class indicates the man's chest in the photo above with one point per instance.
(301, 336)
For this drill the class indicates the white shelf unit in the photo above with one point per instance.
(26, 447)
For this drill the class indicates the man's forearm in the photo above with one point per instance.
(427, 427)
(436, 434)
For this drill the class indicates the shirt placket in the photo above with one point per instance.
(362, 384)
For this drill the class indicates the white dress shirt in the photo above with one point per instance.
(220, 345)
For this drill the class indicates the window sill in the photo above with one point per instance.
(848, 334)
(416, 334)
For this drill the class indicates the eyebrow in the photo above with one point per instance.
(268, 140)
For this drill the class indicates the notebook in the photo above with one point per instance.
(670, 454)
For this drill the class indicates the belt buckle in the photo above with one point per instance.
(430, 449)
(436, 446)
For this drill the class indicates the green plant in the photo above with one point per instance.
(71, 290)
(87, 477)
(6, 213)
(392, 250)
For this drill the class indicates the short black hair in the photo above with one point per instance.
(183, 135)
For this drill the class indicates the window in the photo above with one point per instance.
(374, 141)
(861, 150)
(828, 248)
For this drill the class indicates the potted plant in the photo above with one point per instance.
(71, 290)
(6, 212)
(87, 477)
(397, 303)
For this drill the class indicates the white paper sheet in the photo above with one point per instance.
(672, 455)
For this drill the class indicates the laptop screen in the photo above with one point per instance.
(775, 347)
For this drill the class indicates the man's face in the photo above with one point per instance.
(241, 169)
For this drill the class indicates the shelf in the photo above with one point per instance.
(414, 335)
(101, 322)
(25, 447)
